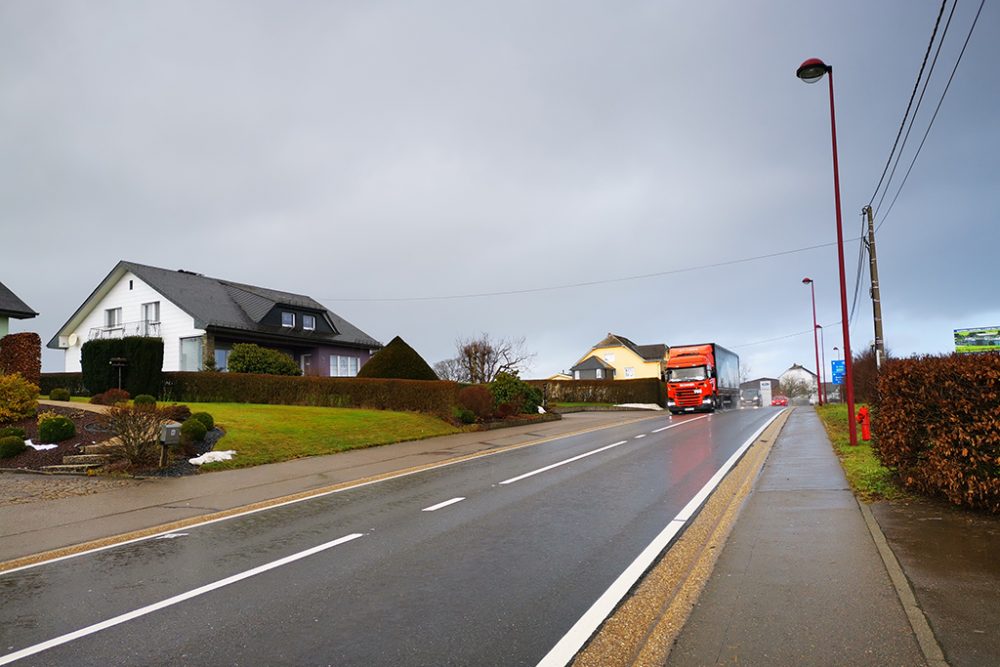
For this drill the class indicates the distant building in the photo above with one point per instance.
(799, 374)
(618, 358)
(12, 307)
(750, 390)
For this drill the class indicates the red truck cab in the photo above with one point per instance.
(701, 377)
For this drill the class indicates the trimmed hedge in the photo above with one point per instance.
(142, 375)
(642, 390)
(22, 353)
(378, 394)
(71, 381)
(936, 423)
(251, 358)
(397, 360)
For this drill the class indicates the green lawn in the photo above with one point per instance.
(870, 480)
(270, 433)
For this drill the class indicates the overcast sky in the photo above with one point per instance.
(395, 150)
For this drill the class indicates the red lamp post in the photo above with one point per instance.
(819, 371)
(822, 358)
(812, 71)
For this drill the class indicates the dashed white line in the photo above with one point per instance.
(686, 421)
(433, 508)
(562, 463)
(641, 435)
(148, 609)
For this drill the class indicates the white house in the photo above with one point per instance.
(200, 318)
(797, 373)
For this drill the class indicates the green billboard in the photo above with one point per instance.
(984, 339)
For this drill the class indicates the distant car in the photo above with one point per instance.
(779, 400)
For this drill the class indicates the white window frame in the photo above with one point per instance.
(629, 372)
(113, 317)
(599, 374)
(344, 366)
(287, 326)
(306, 320)
(200, 359)
(609, 357)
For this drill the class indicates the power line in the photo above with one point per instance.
(589, 283)
(785, 337)
(936, 110)
(902, 124)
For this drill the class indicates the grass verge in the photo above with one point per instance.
(870, 480)
(270, 433)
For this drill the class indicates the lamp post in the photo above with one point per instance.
(822, 354)
(811, 71)
(837, 350)
(819, 371)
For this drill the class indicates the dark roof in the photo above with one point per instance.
(796, 367)
(592, 363)
(11, 306)
(220, 304)
(654, 352)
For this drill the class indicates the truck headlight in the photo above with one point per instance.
(707, 399)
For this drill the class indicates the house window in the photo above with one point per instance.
(287, 319)
(344, 367)
(609, 357)
(576, 375)
(305, 363)
(113, 317)
(191, 354)
(629, 372)
(309, 322)
(222, 359)
(150, 324)
(599, 373)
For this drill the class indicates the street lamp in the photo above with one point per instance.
(837, 350)
(822, 373)
(819, 382)
(811, 71)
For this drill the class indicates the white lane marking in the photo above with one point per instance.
(567, 647)
(444, 504)
(171, 536)
(686, 421)
(641, 435)
(562, 463)
(148, 609)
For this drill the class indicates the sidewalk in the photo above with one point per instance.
(35, 527)
(800, 580)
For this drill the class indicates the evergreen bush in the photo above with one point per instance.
(193, 430)
(144, 399)
(11, 445)
(509, 389)
(206, 419)
(18, 398)
(55, 428)
(399, 361)
(7, 431)
(59, 394)
(142, 373)
(250, 358)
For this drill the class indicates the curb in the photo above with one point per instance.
(929, 645)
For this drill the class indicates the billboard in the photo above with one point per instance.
(983, 339)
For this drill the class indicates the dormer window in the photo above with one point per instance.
(288, 319)
(309, 322)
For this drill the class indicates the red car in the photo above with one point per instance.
(779, 400)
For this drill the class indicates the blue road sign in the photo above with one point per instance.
(837, 370)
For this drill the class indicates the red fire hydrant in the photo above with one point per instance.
(866, 423)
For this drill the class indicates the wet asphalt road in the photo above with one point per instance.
(496, 578)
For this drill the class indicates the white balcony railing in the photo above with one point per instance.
(140, 328)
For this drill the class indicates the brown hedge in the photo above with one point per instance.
(435, 397)
(22, 353)
(937, 424)
(643, 390)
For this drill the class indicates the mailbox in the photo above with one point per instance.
(170, 434)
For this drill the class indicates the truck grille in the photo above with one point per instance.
(686, 398)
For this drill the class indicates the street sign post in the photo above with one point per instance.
(837, 371)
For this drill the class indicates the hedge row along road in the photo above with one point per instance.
(504, 559)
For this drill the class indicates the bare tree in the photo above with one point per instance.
(745, 370)
(450, 369)
(480, 359)
(793, 387)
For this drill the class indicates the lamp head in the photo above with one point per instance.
(806, 281)
(812, 70)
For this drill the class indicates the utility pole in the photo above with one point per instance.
(876, 297)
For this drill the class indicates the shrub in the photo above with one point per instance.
(510, 389)
(935, 424)
(464, 415)
(397, 360)
(206, 419)
(144, 399)
(110, 397)
(177, 413)
(478, 400)
(13, 430)
(377, 394)
(141, 375)
(250, 358)
(59, 394)
(22, 353)
(193, 430)
(505, 410)
(73, 382)
(55, 428)
(18, 398)
(11, 445)
(138, 430)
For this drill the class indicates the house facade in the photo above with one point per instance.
(200, 318)
(618, 358)
(11, 307)
(799, 374)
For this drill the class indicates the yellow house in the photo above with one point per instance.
(618, 358)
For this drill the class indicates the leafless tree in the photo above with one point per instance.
(480, 359)
(450, 369)
(745, 370)
(793, 387)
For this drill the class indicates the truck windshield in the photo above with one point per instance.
(687, 374)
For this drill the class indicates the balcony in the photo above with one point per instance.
(143, 328)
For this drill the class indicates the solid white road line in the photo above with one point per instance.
(432, 508)
(567, 647)
(562, 463)
(117, 620)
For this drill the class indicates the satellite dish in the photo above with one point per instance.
(72, 339)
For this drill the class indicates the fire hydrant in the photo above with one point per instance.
(866, 423)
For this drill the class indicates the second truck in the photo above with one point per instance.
(702, 377)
